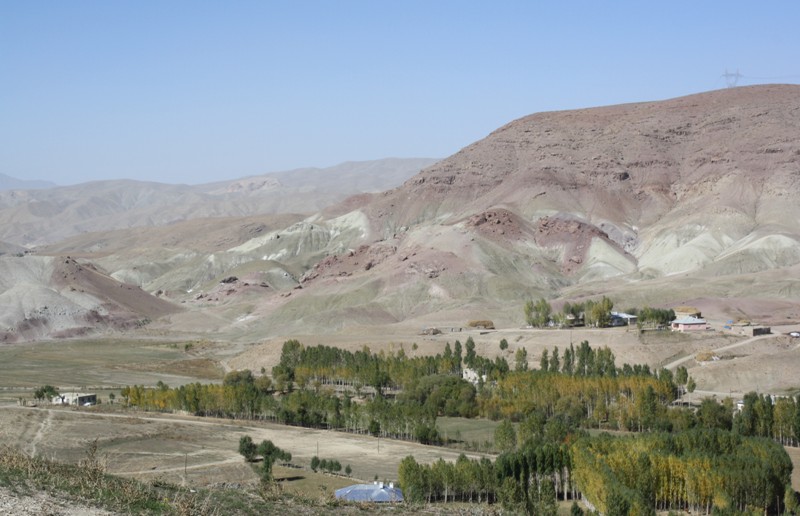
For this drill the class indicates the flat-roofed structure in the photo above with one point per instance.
(75, 398)
(689, 323)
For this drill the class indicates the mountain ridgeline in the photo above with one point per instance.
(689, 199)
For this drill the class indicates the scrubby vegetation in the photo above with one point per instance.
(88, 482)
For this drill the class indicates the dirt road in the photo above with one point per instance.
(680, 361)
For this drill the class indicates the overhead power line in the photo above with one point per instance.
(732, 78)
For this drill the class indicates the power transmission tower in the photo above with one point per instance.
(732, 79)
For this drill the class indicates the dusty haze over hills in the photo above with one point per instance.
(690, 200)
(43, 216)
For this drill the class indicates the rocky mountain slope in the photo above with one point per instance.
(690, 200)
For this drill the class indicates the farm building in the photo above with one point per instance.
(623, 319)
(751, 331)
(688, 323)
(75, 398)
(377, 492)
(755, 331)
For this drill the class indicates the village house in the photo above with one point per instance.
(689, 323)
(75, 398)
(623, 319)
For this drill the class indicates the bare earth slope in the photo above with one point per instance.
(685, 201)
(58, 297)
(654, 203)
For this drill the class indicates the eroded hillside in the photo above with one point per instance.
(685, 200)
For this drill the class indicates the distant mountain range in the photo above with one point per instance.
(46, 215)
(12, 183)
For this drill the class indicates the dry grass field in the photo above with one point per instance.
(103, 365)
(203, 452)
(200, 451)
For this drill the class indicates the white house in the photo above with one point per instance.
(472, 376)
(75, 398)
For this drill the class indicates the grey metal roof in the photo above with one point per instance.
(689, 320)
(370, 493)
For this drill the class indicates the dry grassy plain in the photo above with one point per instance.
(199, 451)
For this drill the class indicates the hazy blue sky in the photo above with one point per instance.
(193, 92)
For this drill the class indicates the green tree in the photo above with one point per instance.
(315, 463)
(374, 427)
(568, 367)
(270, 454)
(790, 501)
(470, 356)
(457, 356)
(413, 480)
(503, 344)
(544, 362)
(598, 313)
(348, 470)
(711, 414)
(555, 363)
(681, 375)
(544, 498)
(46, 392)
(691, 385)
(505, 436)
(247, 448)
(238, 378)
(521, 360)
(538, 314)
(617, 504)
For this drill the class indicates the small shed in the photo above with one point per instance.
(755, 331)
(684, 324)
(377, 492)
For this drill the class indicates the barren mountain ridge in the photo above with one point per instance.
(684, 201)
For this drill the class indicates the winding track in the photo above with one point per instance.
(44, 427)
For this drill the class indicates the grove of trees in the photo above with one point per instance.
(695, 470)
(545, 451)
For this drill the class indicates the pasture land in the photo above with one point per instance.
(103, 364)
(200, 451)
(467, 432)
